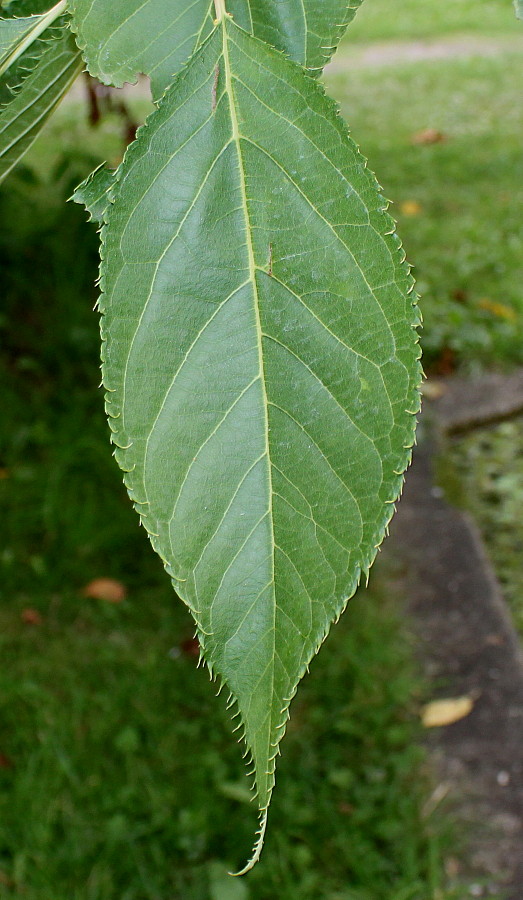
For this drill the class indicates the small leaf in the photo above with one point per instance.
(261, 364)
(500, 310)
(411, 208)
(428, 136)
(105, 589)
(23, 118)
(12, 33)
(23, 40)
(17, 34)
(446, 712)
(31, 616)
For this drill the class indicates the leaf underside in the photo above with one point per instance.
(261, 364)
(12, 31)
(22, 119)
(15, 28)
(126, 37)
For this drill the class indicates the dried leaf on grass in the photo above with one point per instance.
(105, 589)
(446, 712)
(428, 136)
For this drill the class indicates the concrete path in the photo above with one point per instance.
(389, 53)
(469, 645)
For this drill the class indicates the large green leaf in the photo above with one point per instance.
(260, 362)
(122, 38)
(23, 118)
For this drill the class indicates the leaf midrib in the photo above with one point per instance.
(252, 268)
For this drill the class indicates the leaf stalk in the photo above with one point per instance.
(219, 6)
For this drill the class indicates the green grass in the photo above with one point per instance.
(465, 240)
(381, 20)
(483, 473)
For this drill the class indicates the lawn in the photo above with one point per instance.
(119, 776)
(428, 19)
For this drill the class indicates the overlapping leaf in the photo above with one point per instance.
(22, 119)
(155, 37)
(23, 41)
(93, 192)
(260, 361)
(12, 33)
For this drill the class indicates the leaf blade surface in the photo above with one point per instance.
(156, 37)
(260, 362)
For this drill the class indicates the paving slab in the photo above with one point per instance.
(468, 642)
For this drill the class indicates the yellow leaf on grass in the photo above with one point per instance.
(411, 208)
(445, 712)
(498, 309)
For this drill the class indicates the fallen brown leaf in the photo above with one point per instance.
(494, 640)
(446, 712)
(428, 136)
(191, 647)
(105, 589)
(31, 616)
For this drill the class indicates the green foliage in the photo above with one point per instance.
(39, 61)
(125, 37)
(12, 33)
(260, 355)
(22, 119)
(24, 39)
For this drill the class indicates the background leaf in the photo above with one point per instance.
(23, 118)
(261, 364)
(17, 21)
(12, 32)
(126, 37)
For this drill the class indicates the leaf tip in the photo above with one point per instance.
(258, 846)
